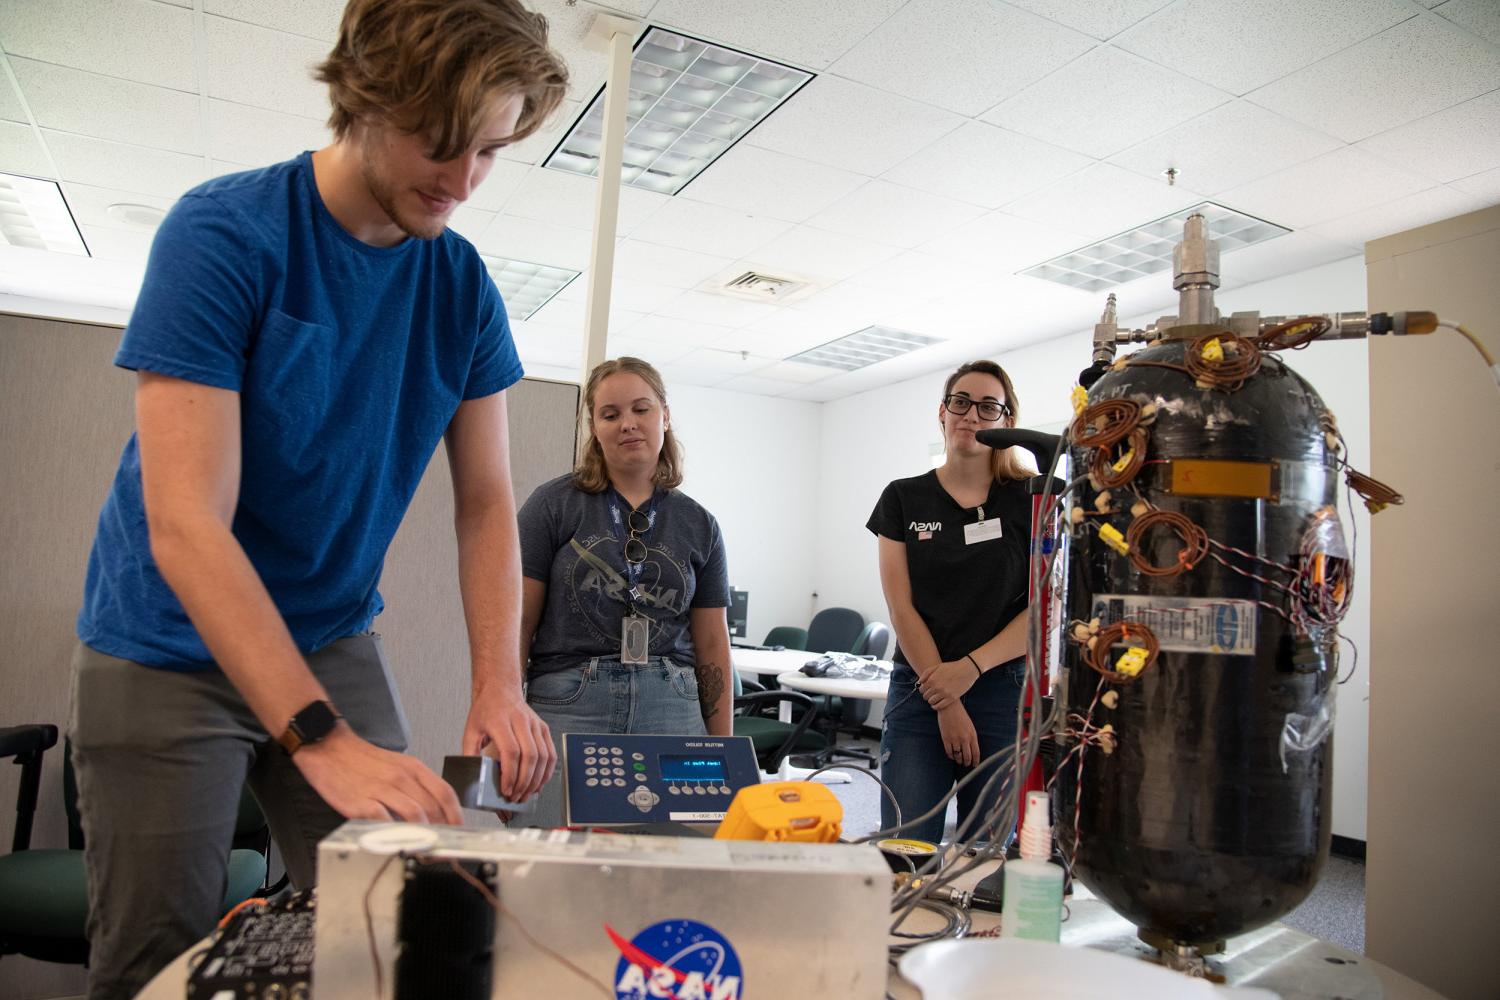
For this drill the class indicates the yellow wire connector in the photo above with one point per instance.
(1213, 351)
(1132, 662)
(1080, 399)
(1112, 537)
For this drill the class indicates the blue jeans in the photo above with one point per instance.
(915, 763)
(607, 696)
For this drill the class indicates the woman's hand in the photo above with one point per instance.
(960, 740)
(947, 682)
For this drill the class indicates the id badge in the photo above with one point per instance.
(635, 639)
(981, 531)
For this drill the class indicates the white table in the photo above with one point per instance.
(753, 664)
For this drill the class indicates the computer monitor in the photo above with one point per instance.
(739, 602)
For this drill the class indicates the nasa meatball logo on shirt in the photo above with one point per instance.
(676, 960)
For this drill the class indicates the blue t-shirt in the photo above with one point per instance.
(350, 361)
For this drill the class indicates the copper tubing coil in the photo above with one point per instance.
(1241, 361)
(1105, 423)
(1282, 338)
(1194, 542)
(1103, 466)
(1130, 633)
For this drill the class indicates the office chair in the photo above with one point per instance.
(787, 635)
(834, 630)
(773, 739)
(44, 891)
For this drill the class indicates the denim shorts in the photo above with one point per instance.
(607, 696)
(915, 763)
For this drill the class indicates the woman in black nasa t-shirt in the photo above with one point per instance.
(953, 550)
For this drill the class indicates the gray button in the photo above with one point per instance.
(590, 750)
(640, 777)
(616, 751)
(591, 771)
(592, 782)
(637, 756)
(619, 772)
(620, 782)
(724, 789)
(699, 789)
(588, 760)
(673, 790)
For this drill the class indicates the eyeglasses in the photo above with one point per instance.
(988, 409)
(635, 549)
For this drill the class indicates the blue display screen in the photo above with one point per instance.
(680, 768)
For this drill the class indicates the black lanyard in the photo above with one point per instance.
(633, 571)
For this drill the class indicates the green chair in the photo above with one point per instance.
(773, 739)
(787, 635)
(44, 891)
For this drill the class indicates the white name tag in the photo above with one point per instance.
(981, 531)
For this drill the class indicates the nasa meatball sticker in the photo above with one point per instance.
(676, 959)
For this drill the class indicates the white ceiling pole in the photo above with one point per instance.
(616, 35)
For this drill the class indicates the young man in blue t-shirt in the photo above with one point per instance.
(305, 335)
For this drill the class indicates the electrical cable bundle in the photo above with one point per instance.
(1194, 542)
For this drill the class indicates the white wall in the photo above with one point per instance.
(753, 462)
(887, 433)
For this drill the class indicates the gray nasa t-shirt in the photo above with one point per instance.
(684, 568)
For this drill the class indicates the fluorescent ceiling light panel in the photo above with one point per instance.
(689, 102)
(524, 286)
(866, 347)
(1148, 249)
(33, 214)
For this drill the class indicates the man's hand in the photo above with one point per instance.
(362, 781)
(947, 682)
(960, 740)
(519, 738)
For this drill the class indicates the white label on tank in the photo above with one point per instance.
(1185, 624)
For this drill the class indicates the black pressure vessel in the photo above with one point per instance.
(1211, 815)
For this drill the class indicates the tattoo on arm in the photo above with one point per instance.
(710, 688)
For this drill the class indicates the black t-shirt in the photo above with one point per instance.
(965, 593)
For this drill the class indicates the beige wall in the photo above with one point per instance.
(1433, 875)
(65, 413)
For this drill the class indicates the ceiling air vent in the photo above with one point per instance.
(763, 287)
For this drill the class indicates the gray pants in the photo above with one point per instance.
(161, 757)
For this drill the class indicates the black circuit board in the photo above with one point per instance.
(263, 953)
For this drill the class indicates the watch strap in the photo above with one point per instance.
(315, 721)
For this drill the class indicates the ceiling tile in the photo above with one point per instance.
(1433, 205)
(90, 205)
(1418, 67)
(259, 137)
(1479, 16)
(944, 52)
(707, 366)
(986, 165)
(1456, 142)
(21, 152)
(1328, 187)
(10, 101)
(470, 222)
(933, 274)
(852, 306)
(71, 100)
(715, 310)
(539, 145)
(265, 68)
(1104, 102)
(705, 228)
(889, 213)
(785, 333)
(822, 257)
(536, 241)
(1283, 255)
(497, 187)
(573, 314)
(1485, 186)
(762, 182)
(637, 296)
(668, 330)
(759, 385)
(658, 352)
(568, 26)
(107, 243)
(1103, 200)
(823, 31)
(639, 261)
(1230, 145)
(572, 200)
(796, 371)
(127, 168)
(314, 18)
(1001, 243)
(1100, 18)
(547, 344)
(1240, 46)
(846, 124)
(131, 39)
(821, 392)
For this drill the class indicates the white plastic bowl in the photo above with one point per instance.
(983, 969)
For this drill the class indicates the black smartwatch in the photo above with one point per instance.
(308, 726)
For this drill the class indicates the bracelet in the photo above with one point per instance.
(970, 658)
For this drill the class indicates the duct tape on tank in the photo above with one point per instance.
(1301, 733)
(1186, 624)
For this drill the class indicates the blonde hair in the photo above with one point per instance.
(1005, 463)
(435, 65)
(591, 475)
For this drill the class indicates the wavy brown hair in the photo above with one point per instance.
(591, 475)
(1005, 463)
(435, 65)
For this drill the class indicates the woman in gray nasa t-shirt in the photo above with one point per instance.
(625, 584)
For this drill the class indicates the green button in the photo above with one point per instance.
(640, 767)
